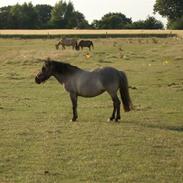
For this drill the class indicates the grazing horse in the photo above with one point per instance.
(67, 42)
(79, 82)
(84, 43)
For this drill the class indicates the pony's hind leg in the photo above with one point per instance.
(118, 116)
(116, 108)
(113, 113)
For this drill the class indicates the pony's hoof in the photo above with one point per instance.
(73, 120)
(117, 120)
(109, 120)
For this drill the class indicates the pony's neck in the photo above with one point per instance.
(60, 78)
(64, 72)
(58, 44)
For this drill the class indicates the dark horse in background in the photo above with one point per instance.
(66, 42)
(84, 43)
(79, 82)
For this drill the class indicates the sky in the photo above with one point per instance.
(95, 9)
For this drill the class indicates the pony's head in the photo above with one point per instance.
(57, 46)
(45, 72)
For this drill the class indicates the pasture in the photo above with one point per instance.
(38, 143)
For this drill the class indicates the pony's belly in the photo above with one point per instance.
(90, 93)
(91, 89)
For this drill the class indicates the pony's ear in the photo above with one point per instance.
(47, 62)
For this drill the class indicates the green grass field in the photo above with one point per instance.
(38, 143)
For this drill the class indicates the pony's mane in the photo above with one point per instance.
(64, 68)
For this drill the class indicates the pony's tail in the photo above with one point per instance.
(124, 92)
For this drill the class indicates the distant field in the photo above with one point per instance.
(92, 33)
(38, 143)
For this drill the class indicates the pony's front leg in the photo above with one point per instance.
(63, 47)
(74, 97)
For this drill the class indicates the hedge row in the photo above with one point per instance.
(37, 36)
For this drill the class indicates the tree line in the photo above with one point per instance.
(64, 16)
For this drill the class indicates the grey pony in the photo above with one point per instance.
(79, 82)
(66, 42)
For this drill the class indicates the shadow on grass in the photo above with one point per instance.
(170, 128)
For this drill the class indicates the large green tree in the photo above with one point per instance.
(171, 9)
(112, 21)
(80, 21)
(149, 23)
(5, 18)
(57, 15)
(23, 16)
(69, 18)
(43, 15)
(63, 15)
(152, 23)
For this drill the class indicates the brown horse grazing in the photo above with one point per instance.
(79, 82)
(84, 43)
(67, 42)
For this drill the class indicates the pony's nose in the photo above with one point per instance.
(37, 80)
